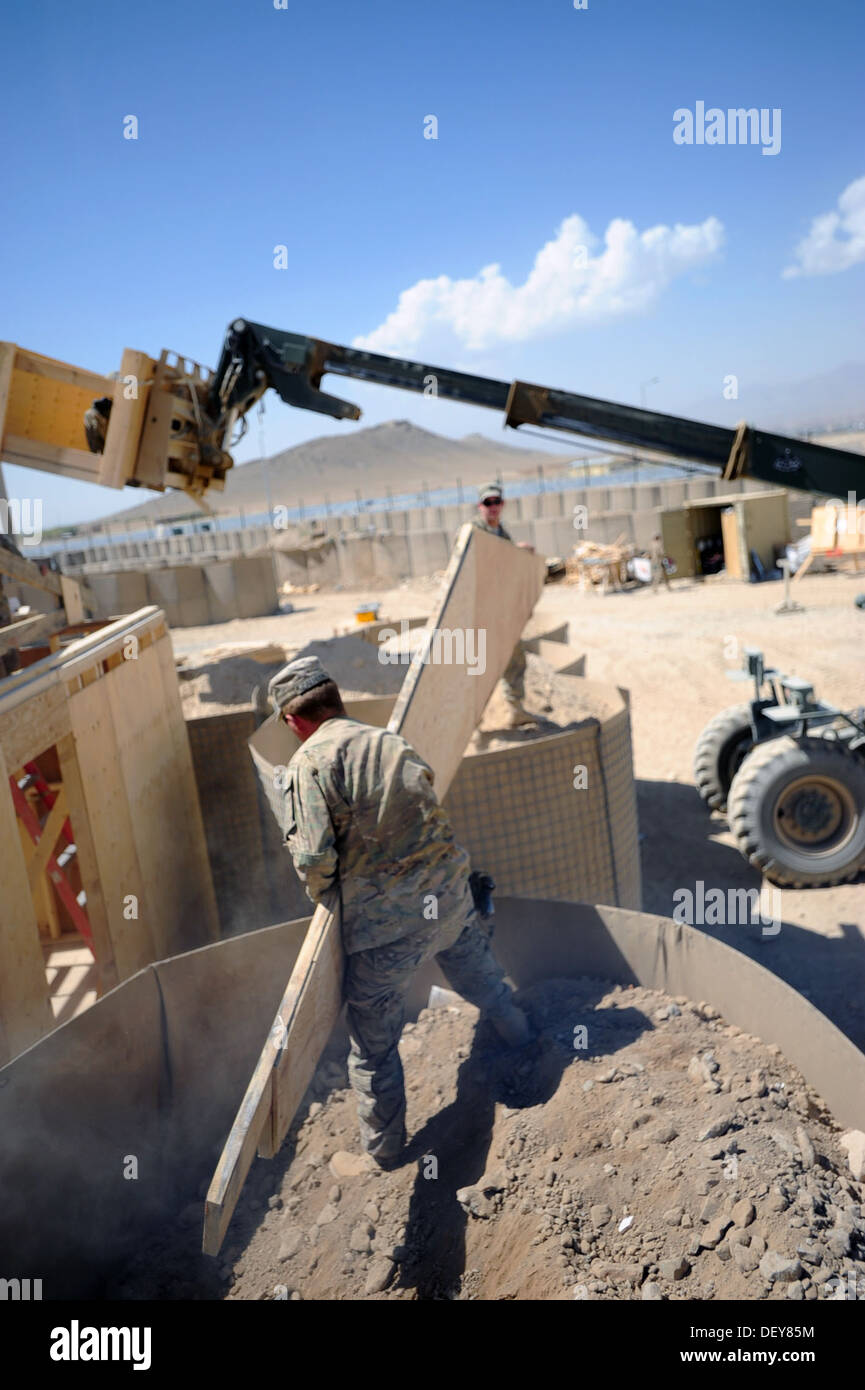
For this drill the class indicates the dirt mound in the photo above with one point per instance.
(666, 1155)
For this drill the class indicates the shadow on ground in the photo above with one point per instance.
(682, 846)
(454, 1144)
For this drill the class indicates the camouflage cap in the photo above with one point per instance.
(299, 676)
(490, 490)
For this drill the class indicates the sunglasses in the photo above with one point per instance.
(492, 502)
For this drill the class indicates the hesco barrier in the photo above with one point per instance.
(518, 811)
(155, 1070)
(556, 817)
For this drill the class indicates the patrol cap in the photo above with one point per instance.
(299, 676)
(491, 490)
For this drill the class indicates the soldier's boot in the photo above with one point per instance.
(512, 1026)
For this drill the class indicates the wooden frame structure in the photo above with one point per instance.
(491, 586)
(109, 708)
(833, 539)
(153, 436)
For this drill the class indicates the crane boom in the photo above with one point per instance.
(255, 357)
(168, 422)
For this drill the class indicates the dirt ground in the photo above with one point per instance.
(661, 1155)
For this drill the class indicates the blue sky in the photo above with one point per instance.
(304, 127)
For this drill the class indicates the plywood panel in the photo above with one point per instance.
(110, 815)
(31, 726)
(145, 751)
(25, 1014)
(199, 903)
(730, 536)
(490, 590)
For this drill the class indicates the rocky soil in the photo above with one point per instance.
(661, 1155)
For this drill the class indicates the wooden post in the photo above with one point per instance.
(25, 1013)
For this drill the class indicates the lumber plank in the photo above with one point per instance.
(126, 421)
(237, 1155)
(25, 630)
(145, 753)
(73, 599)
(7, 364)
(56, 370)
(110, 817)
(88, 863)
(48, 839)
(28, 572)
(52, 458)
(437, 711)
(31, 726)
(202, 908)
(69, 663)
(309, 1009)
(25, 1012)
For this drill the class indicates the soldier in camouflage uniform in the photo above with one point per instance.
(490, 504)
(362, 817)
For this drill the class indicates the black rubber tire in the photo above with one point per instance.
(756, 796)
(720, 749)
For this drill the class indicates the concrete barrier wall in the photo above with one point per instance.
(191, 595)
(157, 1069)
(389, 546)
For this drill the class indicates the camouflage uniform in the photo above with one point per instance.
(659, 569)
(514, 678)
(361, 815)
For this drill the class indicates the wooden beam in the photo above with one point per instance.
(78, 655)
(491, 586)
(110, 817)
(7, 363)
(88, 863)
(73, 599)
(200, 902)
(52, 458)
(48, 839)
(28, 572)
(15, 635)
(123, 436)
(56, 370)
(25, 1013)
(31, 726)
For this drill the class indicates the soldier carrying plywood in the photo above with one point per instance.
(490, 503)
(361, 816)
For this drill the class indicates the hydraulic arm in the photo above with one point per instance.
(255, 357)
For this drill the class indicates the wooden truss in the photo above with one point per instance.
(112, 831)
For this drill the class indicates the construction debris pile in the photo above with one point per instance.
(662, 1155)
(602, 567)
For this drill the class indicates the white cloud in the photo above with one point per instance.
(574, 280)
(836, 239)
